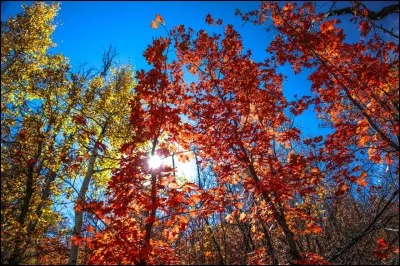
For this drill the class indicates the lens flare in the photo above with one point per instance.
(155, 161)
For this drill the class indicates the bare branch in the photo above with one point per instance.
(108, 59)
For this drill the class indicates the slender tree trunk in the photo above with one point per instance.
(246, 236)
(152, 217)
(268, 243)
(216, 245)
(19, 250)
(73, 258)
(51, 176)
(16, 255)
(279, 217)
(149, 224)
(15, 258)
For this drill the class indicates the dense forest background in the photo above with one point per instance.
(109, 143)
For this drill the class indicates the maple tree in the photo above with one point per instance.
(130, 215)
(360, 102)
(264, 193)
(236, 135)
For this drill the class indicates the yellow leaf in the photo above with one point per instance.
(154, 24)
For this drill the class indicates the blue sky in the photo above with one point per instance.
(85, 29)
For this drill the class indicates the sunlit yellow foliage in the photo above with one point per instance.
(34, 105)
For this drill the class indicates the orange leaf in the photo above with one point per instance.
(159, 19)
(192, 213)
(229, 218)
(183, 222)
(164, 182)
(78, 207)
(239, 205)
(361, 180)
(99, 214)
(395, 250)
(172, 185)
(316, 229)
(154, 24)
(196, 198)
(90, 228)
(344, 188)
(328, 26)
(315, 170)
(76, 240)
(312, 228)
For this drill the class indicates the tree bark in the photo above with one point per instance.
(387, 10)
(16, 255)
(152, 217)
(15, 258)
(73, 258)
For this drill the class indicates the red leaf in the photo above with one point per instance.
(31, 162)
(77, 240)
(79, 119)
(90, 229)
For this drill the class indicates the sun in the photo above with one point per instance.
(186, 169)
(155, 161)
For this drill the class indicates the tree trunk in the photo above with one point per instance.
(216, 245)
(152, 217)
(279, 217)
(16, 255)
(73, 258)
(268, 243)
(149, 224)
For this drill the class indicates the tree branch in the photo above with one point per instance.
(340, 250)
(384, 12)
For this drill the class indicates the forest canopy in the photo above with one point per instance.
(93, 158)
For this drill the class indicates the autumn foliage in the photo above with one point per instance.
(264, 192)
